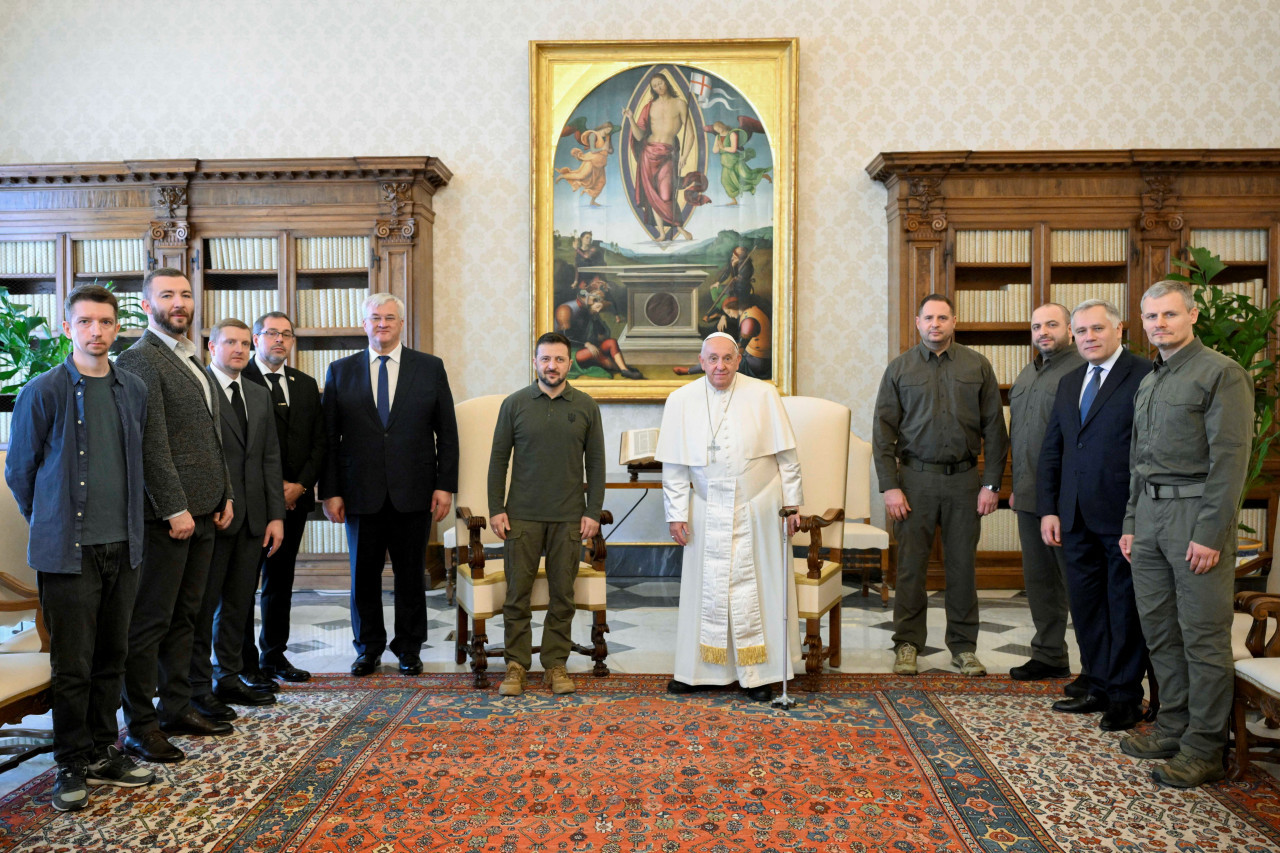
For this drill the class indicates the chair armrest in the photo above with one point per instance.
(1262, 607)
(12, 584)
(813, 525)
(472, 553)
(597, 548)
(1250, 566)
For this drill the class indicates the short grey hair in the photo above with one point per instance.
(373, 300)
(1113, 314)
(1167, 286)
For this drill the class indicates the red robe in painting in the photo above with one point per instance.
(656, 173)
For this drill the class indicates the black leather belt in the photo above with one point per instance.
(947, 468)
(1163, 493)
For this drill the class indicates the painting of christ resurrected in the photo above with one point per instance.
(663, 213)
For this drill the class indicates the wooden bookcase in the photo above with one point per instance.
(1001, 232)
(252, 235)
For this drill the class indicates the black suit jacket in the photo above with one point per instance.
(300, 428)
(416, 454)
(253, 460)
(1083, 475)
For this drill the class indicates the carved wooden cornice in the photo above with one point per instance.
(169, 232)
(1158, 211)
(398, 195)
(428, 171)
(169, 199)
(889, 166)
(924, 204)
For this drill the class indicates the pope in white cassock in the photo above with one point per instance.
(726, 440)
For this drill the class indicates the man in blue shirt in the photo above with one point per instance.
(75, 467)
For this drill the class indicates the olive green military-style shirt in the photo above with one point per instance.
(1030, 404)
(1193, 423)
(555, 439)
(939, 408)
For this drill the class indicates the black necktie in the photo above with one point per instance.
(277, 393)
(237, 403)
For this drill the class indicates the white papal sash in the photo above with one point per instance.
(729, 591)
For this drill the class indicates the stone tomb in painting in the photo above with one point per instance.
(662, 311)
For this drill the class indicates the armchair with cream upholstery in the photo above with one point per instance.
(481, 584)
(822, 444)
(1257, 682)
(866, 547)
(24, 657)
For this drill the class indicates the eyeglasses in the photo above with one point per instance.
(272, 334)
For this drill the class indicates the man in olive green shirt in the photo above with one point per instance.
(1192, 431)
(1043, 567)
(554, 429)
(938, 408)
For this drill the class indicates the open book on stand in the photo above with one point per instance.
(636, 450)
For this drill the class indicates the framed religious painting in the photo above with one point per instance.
(663, 186)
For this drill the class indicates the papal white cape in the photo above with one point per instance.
(731, 625)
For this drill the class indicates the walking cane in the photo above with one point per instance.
(784, 701)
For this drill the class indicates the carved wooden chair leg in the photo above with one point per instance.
(833, 630)
(599, 648)
(1239, 764)
(460, 638)
(884, 579)
(479, 655)
(450, 576)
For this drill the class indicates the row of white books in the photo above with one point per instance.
(993, 247)
(1000, 532)
(129, 255)
(47, 305)
(1255, 289)
(1007, 360)
(1008, 304)
(333, 253)
(330, 306)
(6, 420)
(27, 257)
(246, 305)
(324, 537)
(315, 362)
(1233, 244)
(1072, 295)
(243, 253)
(1089, 245)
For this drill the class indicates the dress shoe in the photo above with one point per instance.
(1078, 688)
(285, 671)
(679, 687)
(153, 746)
(259, 680)
(192, 723)
(214, 708)
(760, 693)
(410, 665)
(1036, 670)
(233, 691)
(364, 665)
(1085, 705)
(1120, 716)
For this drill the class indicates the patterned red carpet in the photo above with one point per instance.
(933, 763)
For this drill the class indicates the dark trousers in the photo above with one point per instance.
(949, 502)
(87, 615)
(1100, 582)
(370, 538)
(527, 541)
(170, 591)
(276, 599)
(227, 606)
(1044, 573)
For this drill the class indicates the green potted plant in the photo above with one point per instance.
(1232, 324)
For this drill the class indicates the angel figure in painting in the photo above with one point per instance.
(655, 140)
(736, 176)
(589, 176)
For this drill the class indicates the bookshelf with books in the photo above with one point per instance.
(250, 234)
(1001, 232)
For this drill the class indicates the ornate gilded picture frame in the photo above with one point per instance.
(663, 189)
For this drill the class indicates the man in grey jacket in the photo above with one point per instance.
(189, 495)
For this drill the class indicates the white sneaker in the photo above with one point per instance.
(904, 661)
(968, 664)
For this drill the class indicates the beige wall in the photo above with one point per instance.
(119, 79)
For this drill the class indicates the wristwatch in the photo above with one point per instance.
(991, 488)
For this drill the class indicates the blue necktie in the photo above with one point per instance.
(1090, 391)
(384, 391)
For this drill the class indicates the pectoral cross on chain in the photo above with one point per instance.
(712, 448)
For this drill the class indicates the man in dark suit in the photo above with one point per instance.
(253, 460)
(300, 428)
(1083, 485)
(189, 495)
(390, 473)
